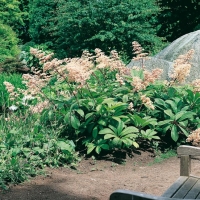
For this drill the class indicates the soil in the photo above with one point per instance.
(96, 179)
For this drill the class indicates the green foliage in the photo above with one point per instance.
(9, 41)
(42, 22)
(177, 112)
(178, 17)
(16, 80)
(13, 15)
(27, 147)
(11, 65)
(69, 27)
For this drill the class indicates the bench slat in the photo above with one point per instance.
(188, 150)
(175, 186)
(185, 188)
(193, 193)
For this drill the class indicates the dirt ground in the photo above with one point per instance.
(97, 179)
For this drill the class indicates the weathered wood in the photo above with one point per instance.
(185, 165)
(188, 150)
(193, 193)
(185, 188)
(130, 195)
(174, 187)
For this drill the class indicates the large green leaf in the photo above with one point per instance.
(120, 127)
(160, 102)
(80, 112)
(180, 114)
(108, 136)
(128, 130)
(95, 132)
(117, 142)
(187, 115)
(98, 149)
(184, 131)
(172, 104)
(174, 133)
(75, 122)
(164, 122)
(105, 146)
(169, 113)
(106, 131)
(90, 147)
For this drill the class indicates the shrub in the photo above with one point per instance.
(69, 27)
(27, 147)
(9, 41)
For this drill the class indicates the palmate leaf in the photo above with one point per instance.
(108, 136)
(131, 135)
(106, 131)
(169, 113)
(128, 142)
(128, 130)
(180, 114)
(117, 142)
(161, 123)
(188, 115)
(172, 104)
(160, 102)
(184, 131)
(120, 127)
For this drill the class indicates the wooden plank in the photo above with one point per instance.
(185, 165)
(175, 186)
(185, 188)
(194, 192)
(188, 150)
(130, 195)
(198, 197)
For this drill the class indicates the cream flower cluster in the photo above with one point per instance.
(182, 67)
(112, 62)
(120, 79)
(147, 102)
(39, 107)
(194, 137)
(149, 78)
(196, 85)
(11, 90)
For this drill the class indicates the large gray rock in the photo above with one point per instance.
(165, 58)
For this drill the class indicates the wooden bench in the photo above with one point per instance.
(186, 186)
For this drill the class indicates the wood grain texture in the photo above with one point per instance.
(188, 150)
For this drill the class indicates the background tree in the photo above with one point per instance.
(69, 26)
(178, 17)
(42, 21)
(10, 14)
(8, 41)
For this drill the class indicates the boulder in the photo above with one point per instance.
(165, 58)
